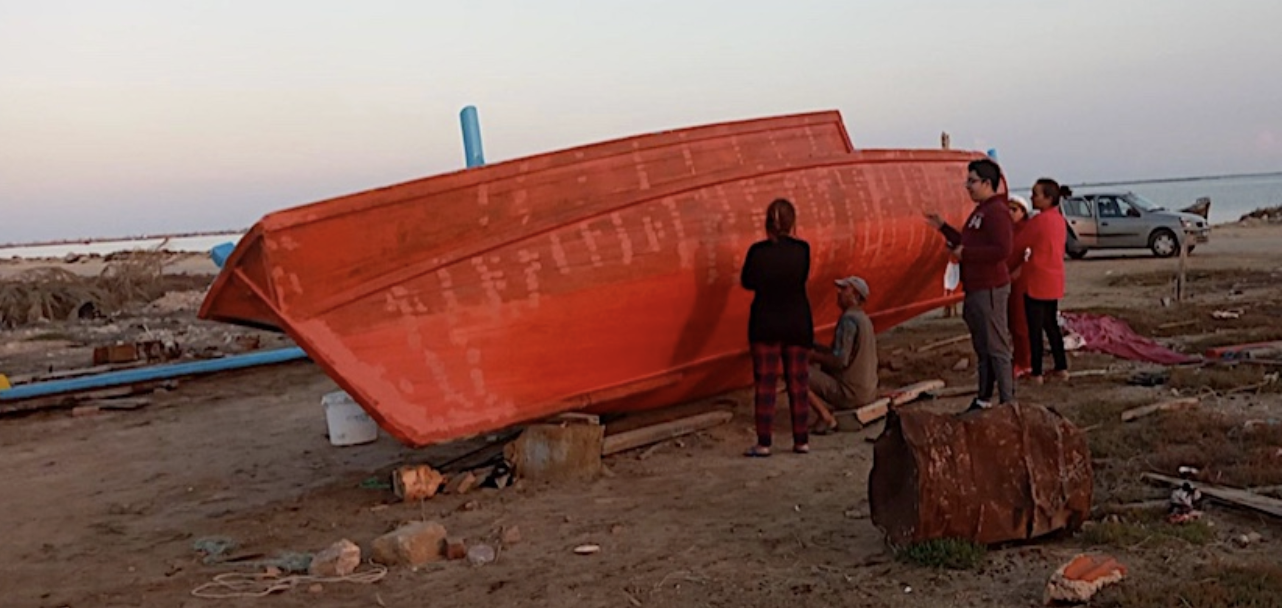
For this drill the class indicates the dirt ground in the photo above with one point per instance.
(108, 509)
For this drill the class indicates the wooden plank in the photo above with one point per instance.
(1164, 406)
(1234, 496)
(905, 394)
(74, 373)
(652, 434)
(954, 391)
(876, 410)
(873, 411)
(942, 343)
(72, 399)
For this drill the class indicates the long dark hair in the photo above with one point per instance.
(1053, 190)
(781, 218)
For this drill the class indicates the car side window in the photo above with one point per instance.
(1077, 207)
(1108, 207)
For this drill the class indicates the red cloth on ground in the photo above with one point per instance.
(1113, 336)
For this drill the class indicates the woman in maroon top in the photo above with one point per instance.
(780, 328)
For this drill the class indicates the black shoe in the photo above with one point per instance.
(979, 404)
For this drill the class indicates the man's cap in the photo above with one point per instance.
(857, 283)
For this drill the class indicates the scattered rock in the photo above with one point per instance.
(587, 549)
(416, 482)
(316, 588)
(470, 505)
(339, 559)
(616, 529)
(412, 544)
(511, 535)
(1082, 577)
(962, 364)
(479, 555)
(1246, 540)
(455, 548)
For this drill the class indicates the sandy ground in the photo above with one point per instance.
(105, 510)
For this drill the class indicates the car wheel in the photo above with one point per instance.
(1077, 254)
(1163, 243)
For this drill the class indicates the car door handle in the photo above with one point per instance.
(1103, 223)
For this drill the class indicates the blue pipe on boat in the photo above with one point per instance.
(992, 153)
(220, 253)
(472, 152)
(149, 374)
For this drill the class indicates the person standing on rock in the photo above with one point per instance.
(983, 246)
(780, 327)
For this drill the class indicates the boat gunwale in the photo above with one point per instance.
(289, 217)
(404, 274)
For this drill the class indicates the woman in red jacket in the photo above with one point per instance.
(1043, 274)
(1016, 318)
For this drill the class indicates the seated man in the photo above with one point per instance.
(846, 373)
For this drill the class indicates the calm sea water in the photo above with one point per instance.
(1231, 197)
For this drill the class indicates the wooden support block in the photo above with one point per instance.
(652, 434)
(1165, 406)
(556, 452)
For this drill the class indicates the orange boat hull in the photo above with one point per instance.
(602, 278)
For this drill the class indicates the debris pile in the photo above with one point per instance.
(40, 295)
(1265, 215)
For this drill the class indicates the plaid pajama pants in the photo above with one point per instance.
(769, 361)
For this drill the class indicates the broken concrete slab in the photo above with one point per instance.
(412, 544)
(1010, 472)
(1081, 578)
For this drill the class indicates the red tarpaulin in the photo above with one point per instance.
(1113, 336)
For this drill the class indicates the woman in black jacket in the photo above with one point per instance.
(780, 328)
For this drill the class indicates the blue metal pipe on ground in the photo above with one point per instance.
(150, 374)
(473, 154)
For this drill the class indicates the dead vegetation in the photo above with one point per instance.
(55, 294)
(1224, 379)
(1202, 281)
(1220, 585)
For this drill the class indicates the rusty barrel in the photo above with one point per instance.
(1011, 472)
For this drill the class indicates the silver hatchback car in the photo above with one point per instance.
(1125, 220)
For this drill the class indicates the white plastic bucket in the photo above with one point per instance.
(348, 423)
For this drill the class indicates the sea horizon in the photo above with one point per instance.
(199, 240)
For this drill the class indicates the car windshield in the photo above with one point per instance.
(1143, 203)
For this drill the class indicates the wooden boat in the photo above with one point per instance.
(600, 278)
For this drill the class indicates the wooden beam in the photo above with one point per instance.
(653, 434)
(943, 343)
(876, 410)
(1164, 406)
(1233, 496)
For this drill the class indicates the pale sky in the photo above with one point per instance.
(125, 117)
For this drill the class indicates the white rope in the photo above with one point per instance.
(234, 585)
